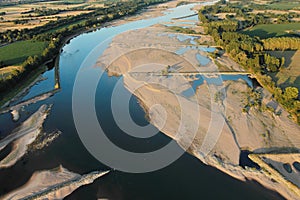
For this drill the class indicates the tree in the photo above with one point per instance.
(291, 93)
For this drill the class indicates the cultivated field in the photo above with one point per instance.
(16, 53)
(272, 30)
(25, 13)
(285, 5)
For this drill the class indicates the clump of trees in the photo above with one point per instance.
(182, 30)
(282, 43)
(272, 63)
(289, 98)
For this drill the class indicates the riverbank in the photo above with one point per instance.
(22, 87)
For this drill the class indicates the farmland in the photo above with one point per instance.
(272, 30)
(284, 5)
(273, 4)
(16, 53)
(23, 16)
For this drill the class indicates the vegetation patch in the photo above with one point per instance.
(285, 5)
(182, 30)
(273, 30)
(8, 72)
(18, 52)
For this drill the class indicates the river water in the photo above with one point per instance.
(186, 178)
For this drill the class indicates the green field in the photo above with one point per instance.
(272, 30)
(70, 25)
(284, 5)
(16, 53)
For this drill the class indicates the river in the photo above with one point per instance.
(186, 178)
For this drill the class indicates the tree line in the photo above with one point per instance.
(281, 43)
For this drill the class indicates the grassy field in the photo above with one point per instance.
(289, 76)
(16, 53)
(285, 5)
(272, 30)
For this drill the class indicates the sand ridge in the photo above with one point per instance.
(52, 184)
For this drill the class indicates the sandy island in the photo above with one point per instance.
(52, 184)
(23, 136)
(156, 75)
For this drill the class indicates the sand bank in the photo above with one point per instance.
(138, 54)
(23, 136)
(153, 11)
(52, 184)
